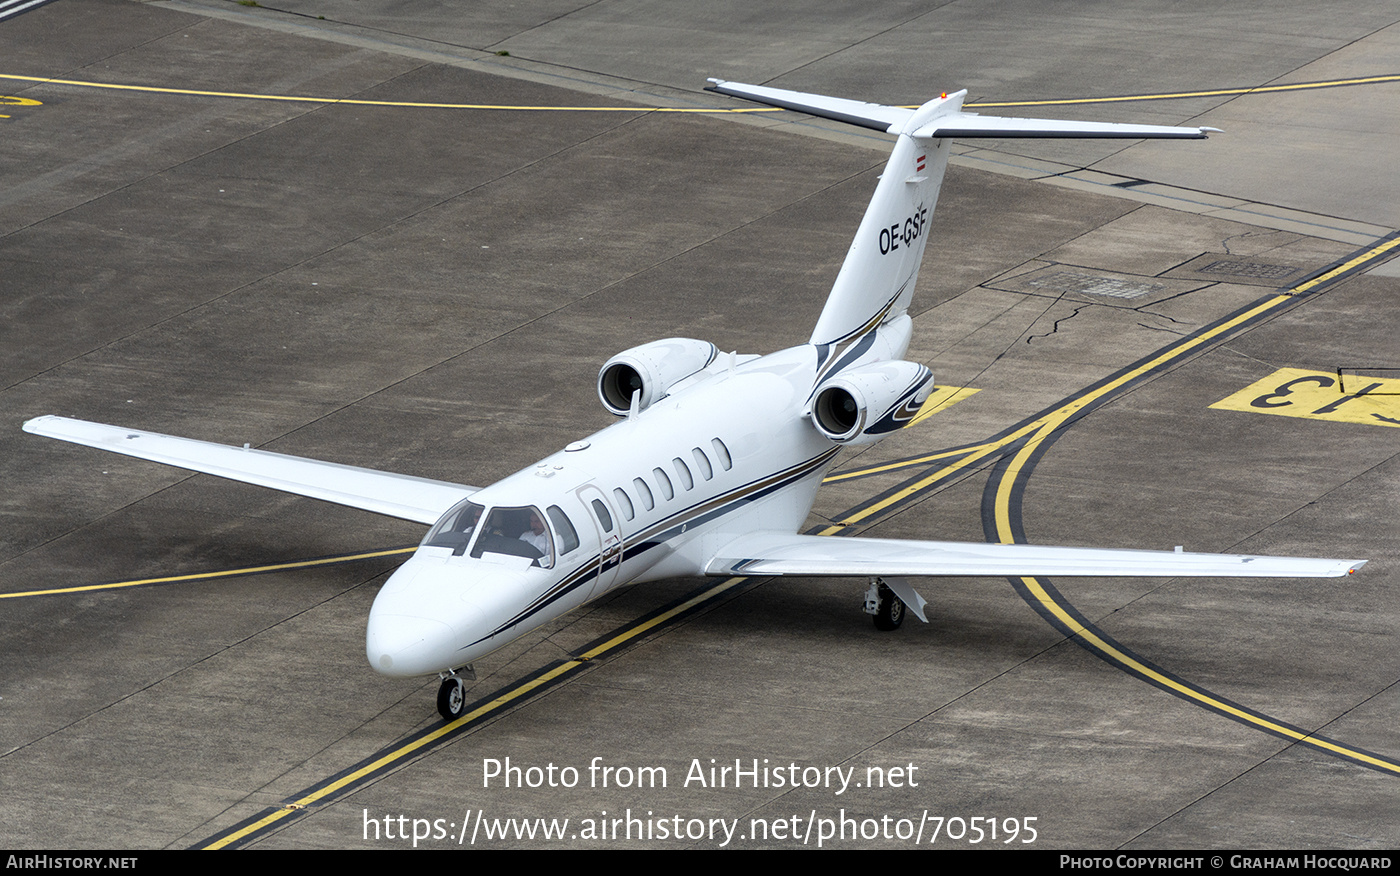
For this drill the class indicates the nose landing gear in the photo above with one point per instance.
(452, 695)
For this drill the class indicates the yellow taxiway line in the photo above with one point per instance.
(1052, 422)
(289, 98)
(222, 573)
(293, 98)
(1214, 92)
(402, 753)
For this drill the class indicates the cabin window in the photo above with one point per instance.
(667, 491)
(683, 473)
(568, 537)
(644, 493)
(604, 517)
(722, 453)
(706, 470)
(624, 502)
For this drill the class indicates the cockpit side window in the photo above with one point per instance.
(568, 538)
(455, 528)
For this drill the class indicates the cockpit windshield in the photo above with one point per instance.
(455, 528)
(514, 532)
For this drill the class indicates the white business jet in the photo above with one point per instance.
(714, 463)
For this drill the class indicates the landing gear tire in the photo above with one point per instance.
(890, 614)
(452, 698)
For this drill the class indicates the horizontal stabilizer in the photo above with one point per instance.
(949, 122)
(773, 553)
(877, 280)
(394, 495)
(974, 125)
(854, 112)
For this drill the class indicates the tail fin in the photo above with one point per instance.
(877, 279)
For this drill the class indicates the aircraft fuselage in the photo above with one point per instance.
(728, 451)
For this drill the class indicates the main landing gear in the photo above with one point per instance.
(452, 696)
(886, 609)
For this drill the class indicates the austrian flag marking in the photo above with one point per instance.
(919, 162)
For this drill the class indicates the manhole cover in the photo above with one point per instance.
(1089, 284)
(1256, 270)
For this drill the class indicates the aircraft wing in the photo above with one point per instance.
(772, 553)
(947, 123)
(394, 495)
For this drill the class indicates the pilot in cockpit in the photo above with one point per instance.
(538, 538)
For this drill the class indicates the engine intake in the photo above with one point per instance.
(862, 404)
(652, 368)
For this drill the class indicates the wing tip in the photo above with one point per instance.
(35, 425)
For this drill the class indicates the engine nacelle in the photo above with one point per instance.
(863, 404)
(652, 368)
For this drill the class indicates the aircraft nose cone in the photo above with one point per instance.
(407, 645)
(414, 624)
(431, 616)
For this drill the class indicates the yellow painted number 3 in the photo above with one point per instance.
(1318, 395)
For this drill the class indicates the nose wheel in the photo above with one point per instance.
(452, 697)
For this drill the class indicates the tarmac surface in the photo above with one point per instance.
(431, 290)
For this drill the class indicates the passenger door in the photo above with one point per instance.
(608, 526)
